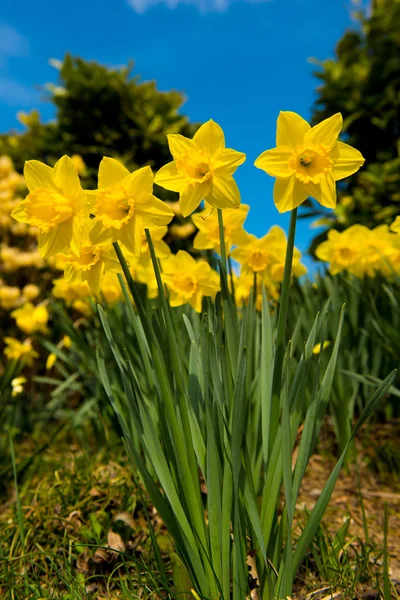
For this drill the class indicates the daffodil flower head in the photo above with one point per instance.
(256, 254)
(307, 161)
(202, 169)
(124, 203)
(30, 318)
(189, 280)
(208, 237)
(344, 250)
(56, 205)
(16, 350)
(96, 256)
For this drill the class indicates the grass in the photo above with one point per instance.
(76, 500)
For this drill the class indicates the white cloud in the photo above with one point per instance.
(12, 44)
(203, 6)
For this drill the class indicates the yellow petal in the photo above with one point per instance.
(323, 192)
(179, 144)
(99, 235)
(185, 261)
(288, 193)
(323, 251)
(131, 235)
(226, 161)
(275, 162)
(94, 277)
(211, 136)
(19, 212)
(111, 172)
(140, 185)
(202, 242)
(195, 301)
(291, 129)
(50, 243)
(169, 178)
(236, 218)
(224, 193)
(191, 197)
(326, 132)
(346, 160)
(154, 212)
(38, 175)
(395, 226)
(65, 177)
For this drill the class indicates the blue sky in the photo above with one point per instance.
(238, 61)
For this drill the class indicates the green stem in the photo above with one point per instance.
(281, 330)
(231, 278)
(222, 240)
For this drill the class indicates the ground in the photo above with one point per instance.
(78, 502)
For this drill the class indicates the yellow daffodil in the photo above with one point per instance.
(17, 385)
(202, 169)
(16, 350)
(30, 318)
(161, 248)
(259, 254)
(343, 250)
(307, 161)
(56, 205)
(207, 224)
(244, 284)
(71, 291)
(188, 281)
(96, 255)
(124, 203)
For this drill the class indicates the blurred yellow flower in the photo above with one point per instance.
(183, 231)
(202, 169)
(9, 296)
(317, 348)
(30, 318)
(308, 161)
(70, 291)
(17, 385)
(110, 288)
(79, 164)
(142, 270)
(124, 203)
(51, 360)
(188, 281)
(343, 250)
(56, 205)
(244, 284)
(207, 224)
(15, 350)
(30, 291)
(66, 342)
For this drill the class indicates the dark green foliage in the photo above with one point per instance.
(102, 111)
(363, 83)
